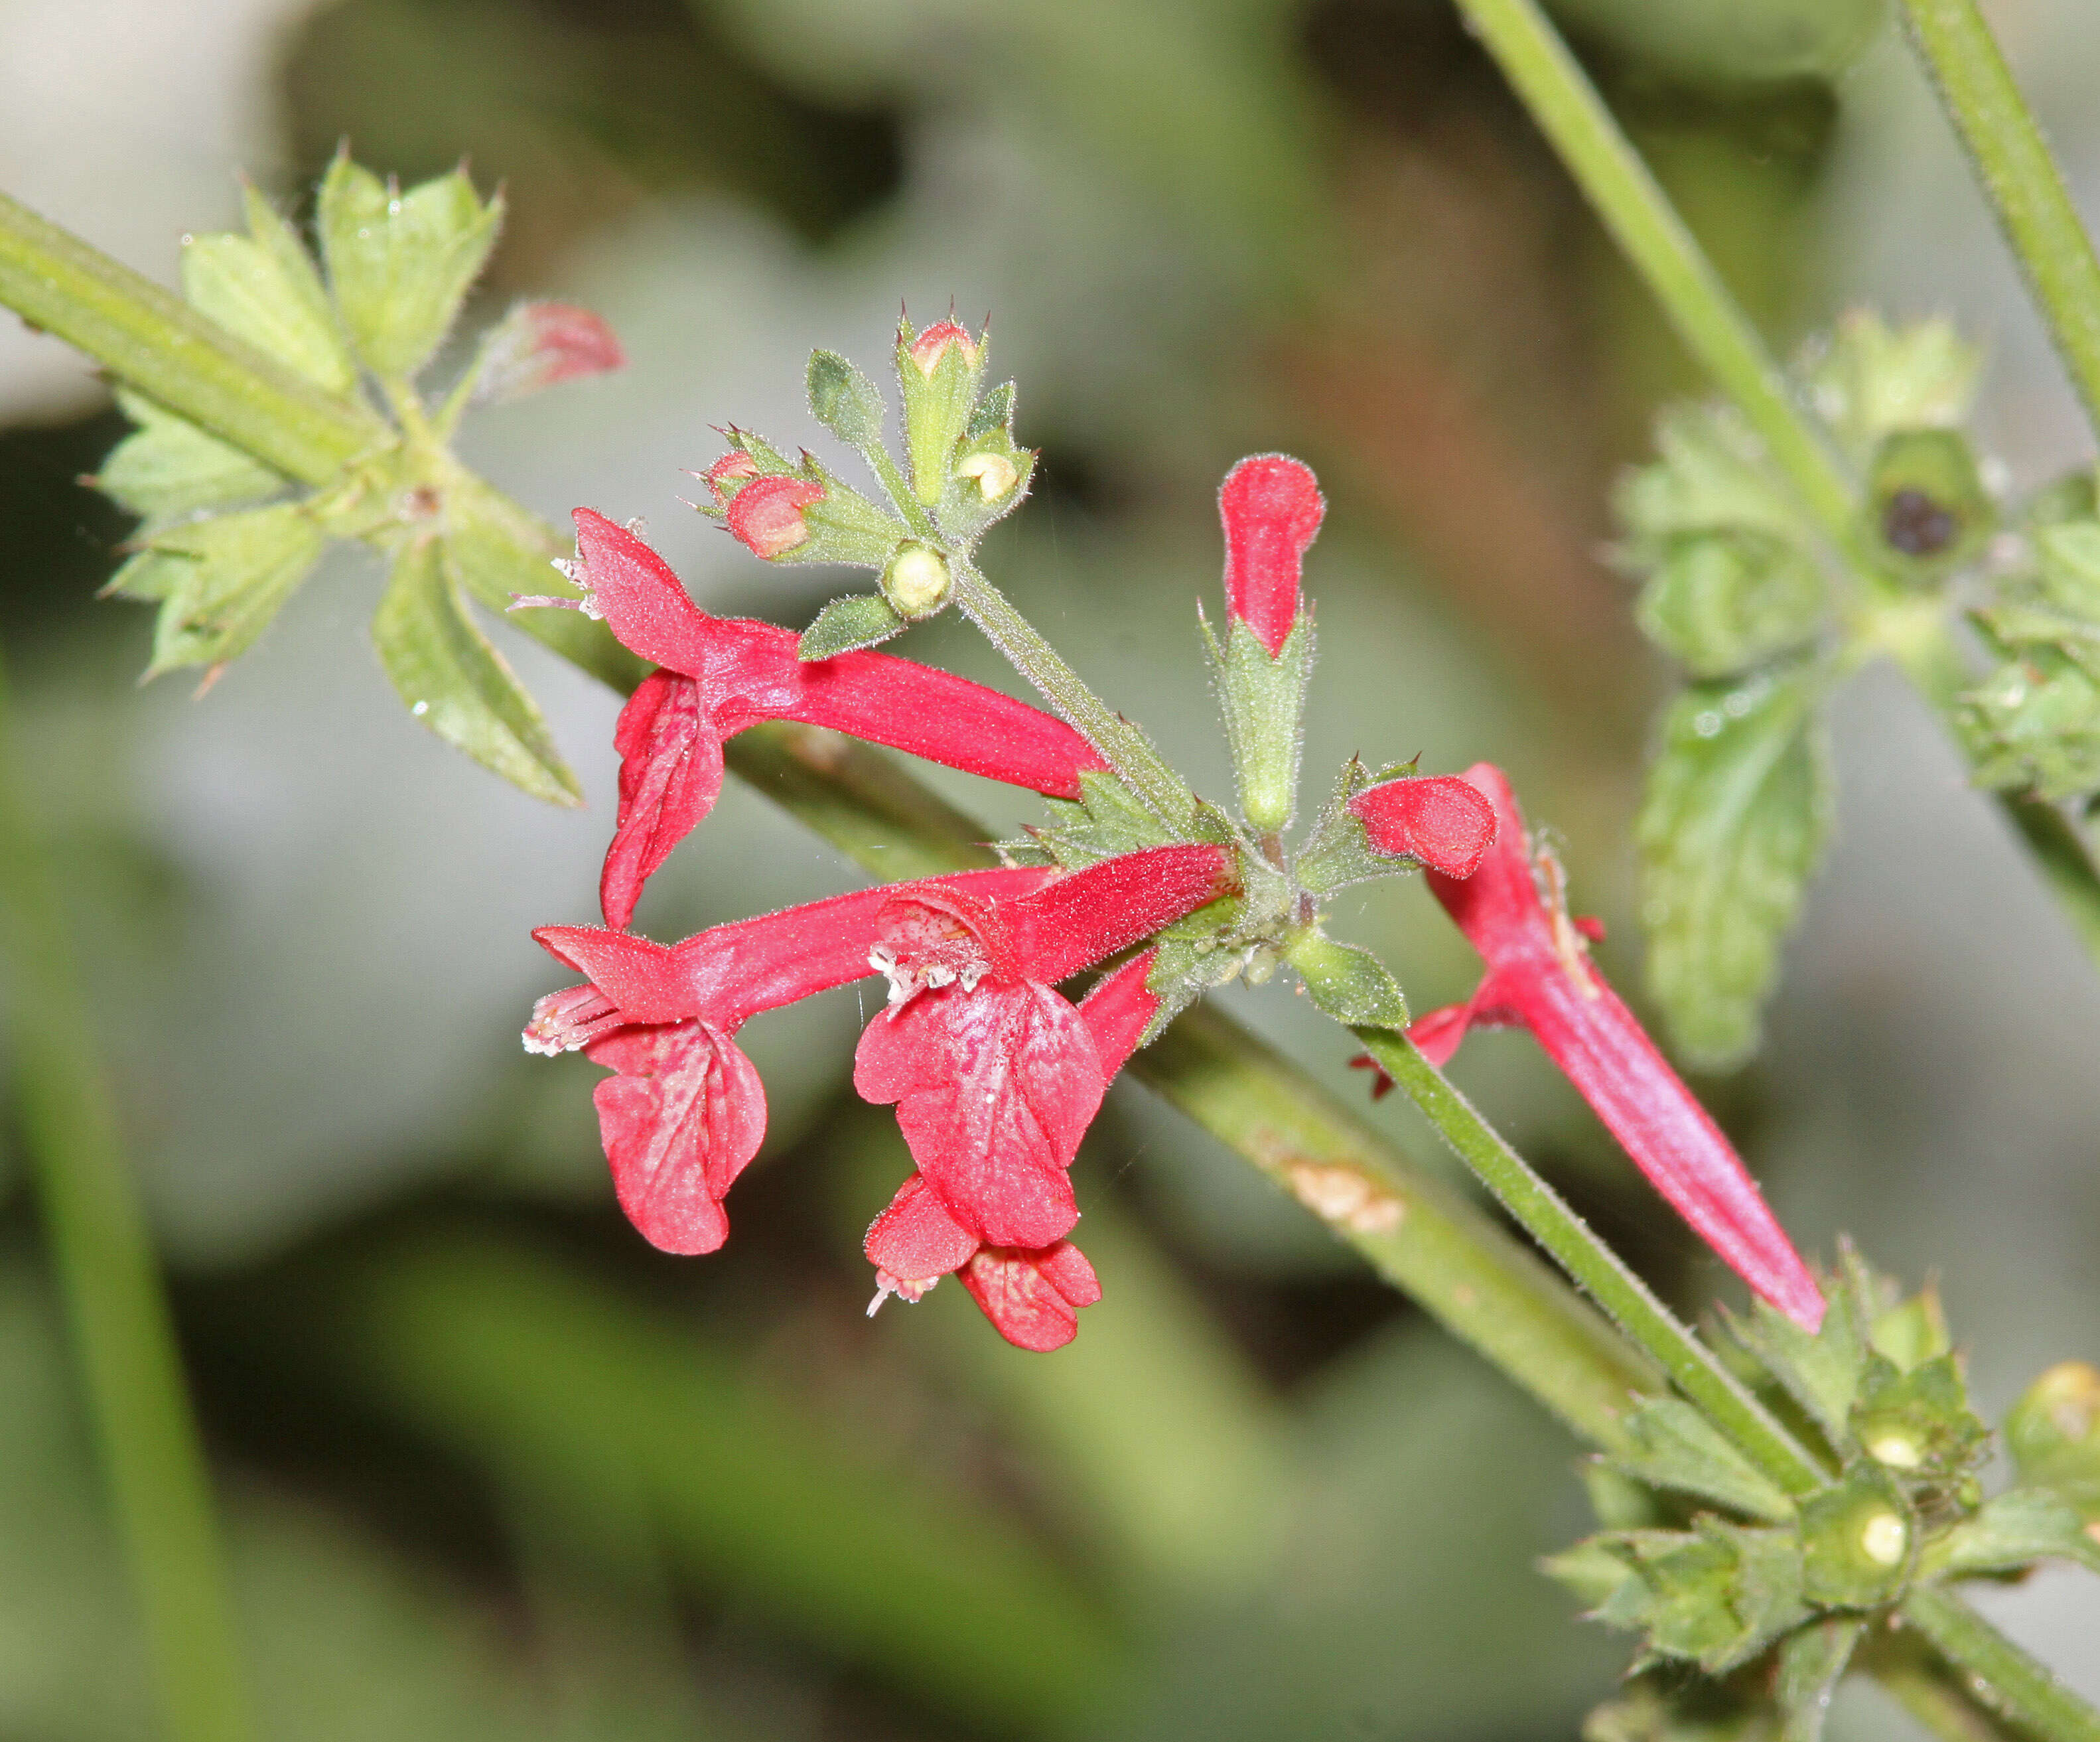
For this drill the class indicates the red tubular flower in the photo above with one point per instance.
(686, 1110)
(1540, 977)
(1032, 1296)
(719, 675)
(1441, 820)
(1272, 508)
(995, 1075)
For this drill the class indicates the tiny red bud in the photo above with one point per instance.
(731, 468)
(926, 350)
(541, 343)
(1446, 822)
(1272, 508)
(766, 514)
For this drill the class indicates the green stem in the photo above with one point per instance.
(111, 1282)
(1628, 1300)
(2025, 189)
(153, 341)
(1427, 1240)
(1996, 1673)
(1646, 227)
(1129, 752)
(1925, 1687)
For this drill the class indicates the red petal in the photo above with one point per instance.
(1272, 508)
(927, 349)
(994, 1090)
(1065, 1267)
(685, 1114)
(1442, 821)
(766, 514)
(1030, 1310)
(1117, 1011)
(540, 344)
(915, 1239)
(1084, 917)
(731, 972)
(1436, 1035)
(642, 600)
(670, 776)
(936, 936)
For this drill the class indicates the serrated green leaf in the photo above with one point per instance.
(2070, 577)
(2014, 1532)
(1875, 379)
(264, 288)
(1351, 985)
(843, 401)
(844, 526)
(400, 264)
(1736, 814)
(2034, 723)
(1812, 1661)
(168, 467)
(1728, 598)
(860, 620)
(1677, 1449)
(456, 683)
(1716, 1596)
(1711, 473)
(1108, 819)
(220, 581)
(994, 411)
(1591, 1570)
(1819, 1369)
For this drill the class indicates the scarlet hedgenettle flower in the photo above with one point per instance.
(1272, 508)
(1441, 819)
(1540, 977)
(719, 675)
(996, 1075)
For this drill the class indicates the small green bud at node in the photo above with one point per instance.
(996, 475)
(916, 581)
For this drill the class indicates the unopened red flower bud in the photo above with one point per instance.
(728, 471)
(766, 513)
(540, 344)
(1272, 508)
(926, 350)
(1446, 823)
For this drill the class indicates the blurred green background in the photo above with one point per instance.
(495, 1467)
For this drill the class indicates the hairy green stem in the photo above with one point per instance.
(1639, 215)
(2026, 188)
(1629, 1301)
(103, 1256)
(1129, 752)
(1998, 1675)
(155, 341)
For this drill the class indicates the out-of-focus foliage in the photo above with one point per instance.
(496, 1469)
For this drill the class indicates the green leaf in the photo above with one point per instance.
(843, 401)
(264, 288)
(860, 620)
(1812, 1661)
(1874, 380)
(1351, 985)
(400, 264)
(1711, 473)
(1678, 1448)
(844, 525)
(2070, 577)
(1858, 1540)
(1264, 701)
(1726, 600)
(220, 581)
(1737, 810)
(168, 467)
(1715, 1596)
(2014, 1532)
(456, 683)
(1108, 819)
(1819, 1369)
(2034, 723)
